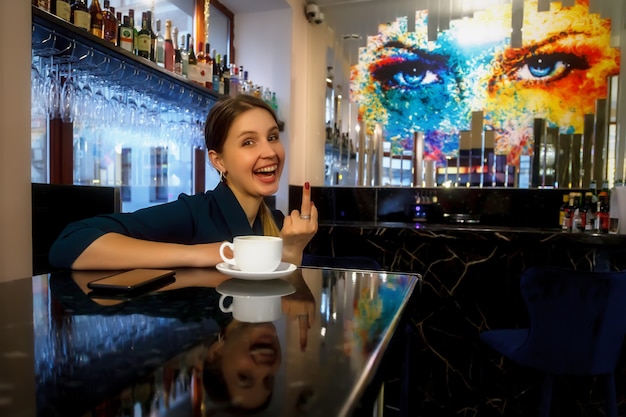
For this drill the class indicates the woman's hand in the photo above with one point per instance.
(300, 306)
(299, 228)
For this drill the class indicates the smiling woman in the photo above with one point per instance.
(243, 143)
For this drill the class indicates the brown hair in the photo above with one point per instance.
(218, 123)
(223, 114)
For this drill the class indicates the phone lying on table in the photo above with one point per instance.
(133, 281)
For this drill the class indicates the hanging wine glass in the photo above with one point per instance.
(53, 89)
(69, 104)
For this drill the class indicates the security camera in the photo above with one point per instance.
(312, 10)
(319, 18)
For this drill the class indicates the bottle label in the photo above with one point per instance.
(144, 42)
(82, 19)
(126, 38)
(64, 11)
(160, 55)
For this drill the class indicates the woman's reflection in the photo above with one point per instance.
(242, 364)
(236, 368)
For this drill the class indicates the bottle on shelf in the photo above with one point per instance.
(184, 54)
(208, 63)
(168, 48)
(153, 36)
(178, 58)
(202, 70)
(126, 39)
(274, 103)
(63, 9)
(131, 15)
(159, 47)
(245, 84)
(81, 17)
(216, 73)
(225, 81)
(235, 86)
(192, 68)
(144, 40)
(577, 220)
(590, 211)
(97, 21)
(109, 23)
(564, 212)
(602, 213)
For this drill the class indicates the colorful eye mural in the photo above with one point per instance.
(411, 84)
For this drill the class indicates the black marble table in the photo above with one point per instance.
(174, 352)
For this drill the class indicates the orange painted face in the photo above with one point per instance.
(558, 74)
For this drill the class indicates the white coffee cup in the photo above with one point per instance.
(253, 309)
(254, 253)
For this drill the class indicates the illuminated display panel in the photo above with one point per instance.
(409, 83)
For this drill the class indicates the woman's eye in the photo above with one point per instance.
(273, 138)
(549, 67)
(248, 142)
(409, 73)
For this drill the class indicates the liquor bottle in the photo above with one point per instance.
(184, 53)
(144, 40)
(208, 63)
(215, 82)
(603, 212)
(153, 36)
(81, 17)
(63, 9)
(274, 103)
(590, 211)
(216, 73)
(168, 47)
(96, 18)
(159, 50)
(131, 16)
(245, 85)
(225, 81)
(126, 35)
(178, 57)
(564, 213)
(202, 73)
(576, 217)
(110, 23)
(192, 68)
(234, 88)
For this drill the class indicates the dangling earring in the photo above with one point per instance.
(222, 176)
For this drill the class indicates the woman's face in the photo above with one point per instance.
(253, 155)
(251, 358)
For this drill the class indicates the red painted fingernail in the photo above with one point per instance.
(307, 185)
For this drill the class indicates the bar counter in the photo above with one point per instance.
(470, 283)
(66, 353)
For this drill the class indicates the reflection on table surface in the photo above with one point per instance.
(174, 352)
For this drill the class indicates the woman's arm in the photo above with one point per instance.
(116, 251)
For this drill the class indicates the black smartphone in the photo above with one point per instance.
(134, 280)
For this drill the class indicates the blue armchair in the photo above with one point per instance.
(577, 327)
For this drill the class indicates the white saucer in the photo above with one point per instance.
(283, 270)
(247, 288)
